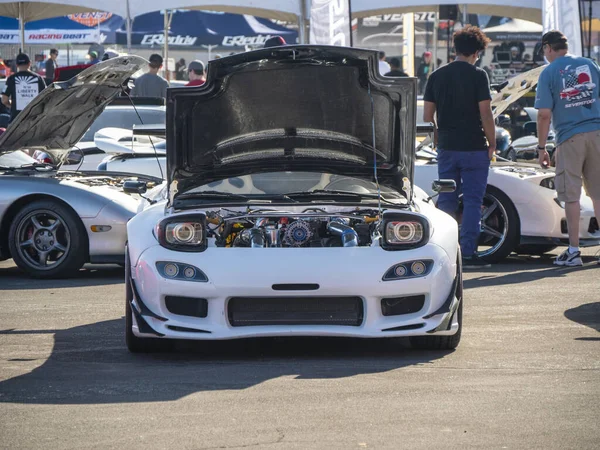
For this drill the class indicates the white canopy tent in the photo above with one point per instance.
(530, 10)
(27, 11)
(517, 28)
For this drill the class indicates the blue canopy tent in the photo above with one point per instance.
(84, 28)
(197, 28)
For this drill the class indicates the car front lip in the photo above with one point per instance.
(343, 277)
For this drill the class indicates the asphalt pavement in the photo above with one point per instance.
(526, 374)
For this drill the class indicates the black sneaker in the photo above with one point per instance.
(474, 262)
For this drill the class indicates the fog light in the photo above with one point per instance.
(400, 271)
(189, 272)
(171, 270)
(418, 268)
(100, 228)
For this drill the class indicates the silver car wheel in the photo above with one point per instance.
(43, 239)
(494, 225)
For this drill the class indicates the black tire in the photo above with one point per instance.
(532, 249)
(134, 343)
(507, 213)
(70, 230)
(444, 342)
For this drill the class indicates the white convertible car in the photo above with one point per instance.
(309, 244)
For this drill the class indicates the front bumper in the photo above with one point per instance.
(251, 273)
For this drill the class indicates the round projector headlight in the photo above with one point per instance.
(404, 231)
(184, 232)
(418, 268)
(189, 272)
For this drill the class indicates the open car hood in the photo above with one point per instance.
(292, 108)
(60, 115)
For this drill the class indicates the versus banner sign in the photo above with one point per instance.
(330, 22)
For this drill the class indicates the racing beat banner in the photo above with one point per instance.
(563, 15)
(330, 23)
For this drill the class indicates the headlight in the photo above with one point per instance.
(404, 231)
(548, 183)
(183, 233)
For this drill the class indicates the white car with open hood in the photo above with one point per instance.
(290, 210)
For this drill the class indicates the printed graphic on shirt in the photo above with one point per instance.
(578, 88)
(26, 89)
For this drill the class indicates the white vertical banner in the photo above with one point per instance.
(330, 22)
(563, 15)
(408, 47)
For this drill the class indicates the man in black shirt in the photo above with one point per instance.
(21, 87)
(396, 71)
(458, 94)
(51, 65)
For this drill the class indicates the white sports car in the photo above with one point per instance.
(275, 223)
(521, 212)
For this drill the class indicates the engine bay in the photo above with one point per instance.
(312, 227)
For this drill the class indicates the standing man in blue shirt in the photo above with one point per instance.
(568, 93)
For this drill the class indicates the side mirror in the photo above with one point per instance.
(504, 120)
(441, 186)
(135, 187)
(530, 128)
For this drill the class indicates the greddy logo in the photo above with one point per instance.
(159, 39)
(241, 41)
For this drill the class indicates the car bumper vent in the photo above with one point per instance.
(252, 311)
(398, 306)
(187, 306)
(593, 228)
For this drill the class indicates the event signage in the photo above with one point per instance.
(330, 22)
(90, 19)
(563, 15)
(52, 36)
(159, 39)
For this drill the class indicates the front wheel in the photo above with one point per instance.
(444, 342)
(499, 226)
(47, 240)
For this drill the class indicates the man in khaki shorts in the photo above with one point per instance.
(568, 93)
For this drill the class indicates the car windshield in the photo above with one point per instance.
(15, 159)
(284, 183)
(125, 117)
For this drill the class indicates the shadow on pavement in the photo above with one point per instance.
(588, 315)
(90, 365)
(523, 269)
(12, 278)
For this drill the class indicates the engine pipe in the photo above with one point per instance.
(346, 232)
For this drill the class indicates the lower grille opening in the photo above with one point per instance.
(187, 306)
(186, 330)
(563, 226)
(255, 311)
(593, 225)
(415, 326)
(398, 306)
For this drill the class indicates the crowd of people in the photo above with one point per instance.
(457, 100)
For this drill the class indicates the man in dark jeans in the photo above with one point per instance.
(458, 94)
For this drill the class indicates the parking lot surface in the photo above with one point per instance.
(526, 374)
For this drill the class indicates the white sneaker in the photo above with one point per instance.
(567, 258)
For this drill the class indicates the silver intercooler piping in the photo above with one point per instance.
(346, 232)
(257, 238)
